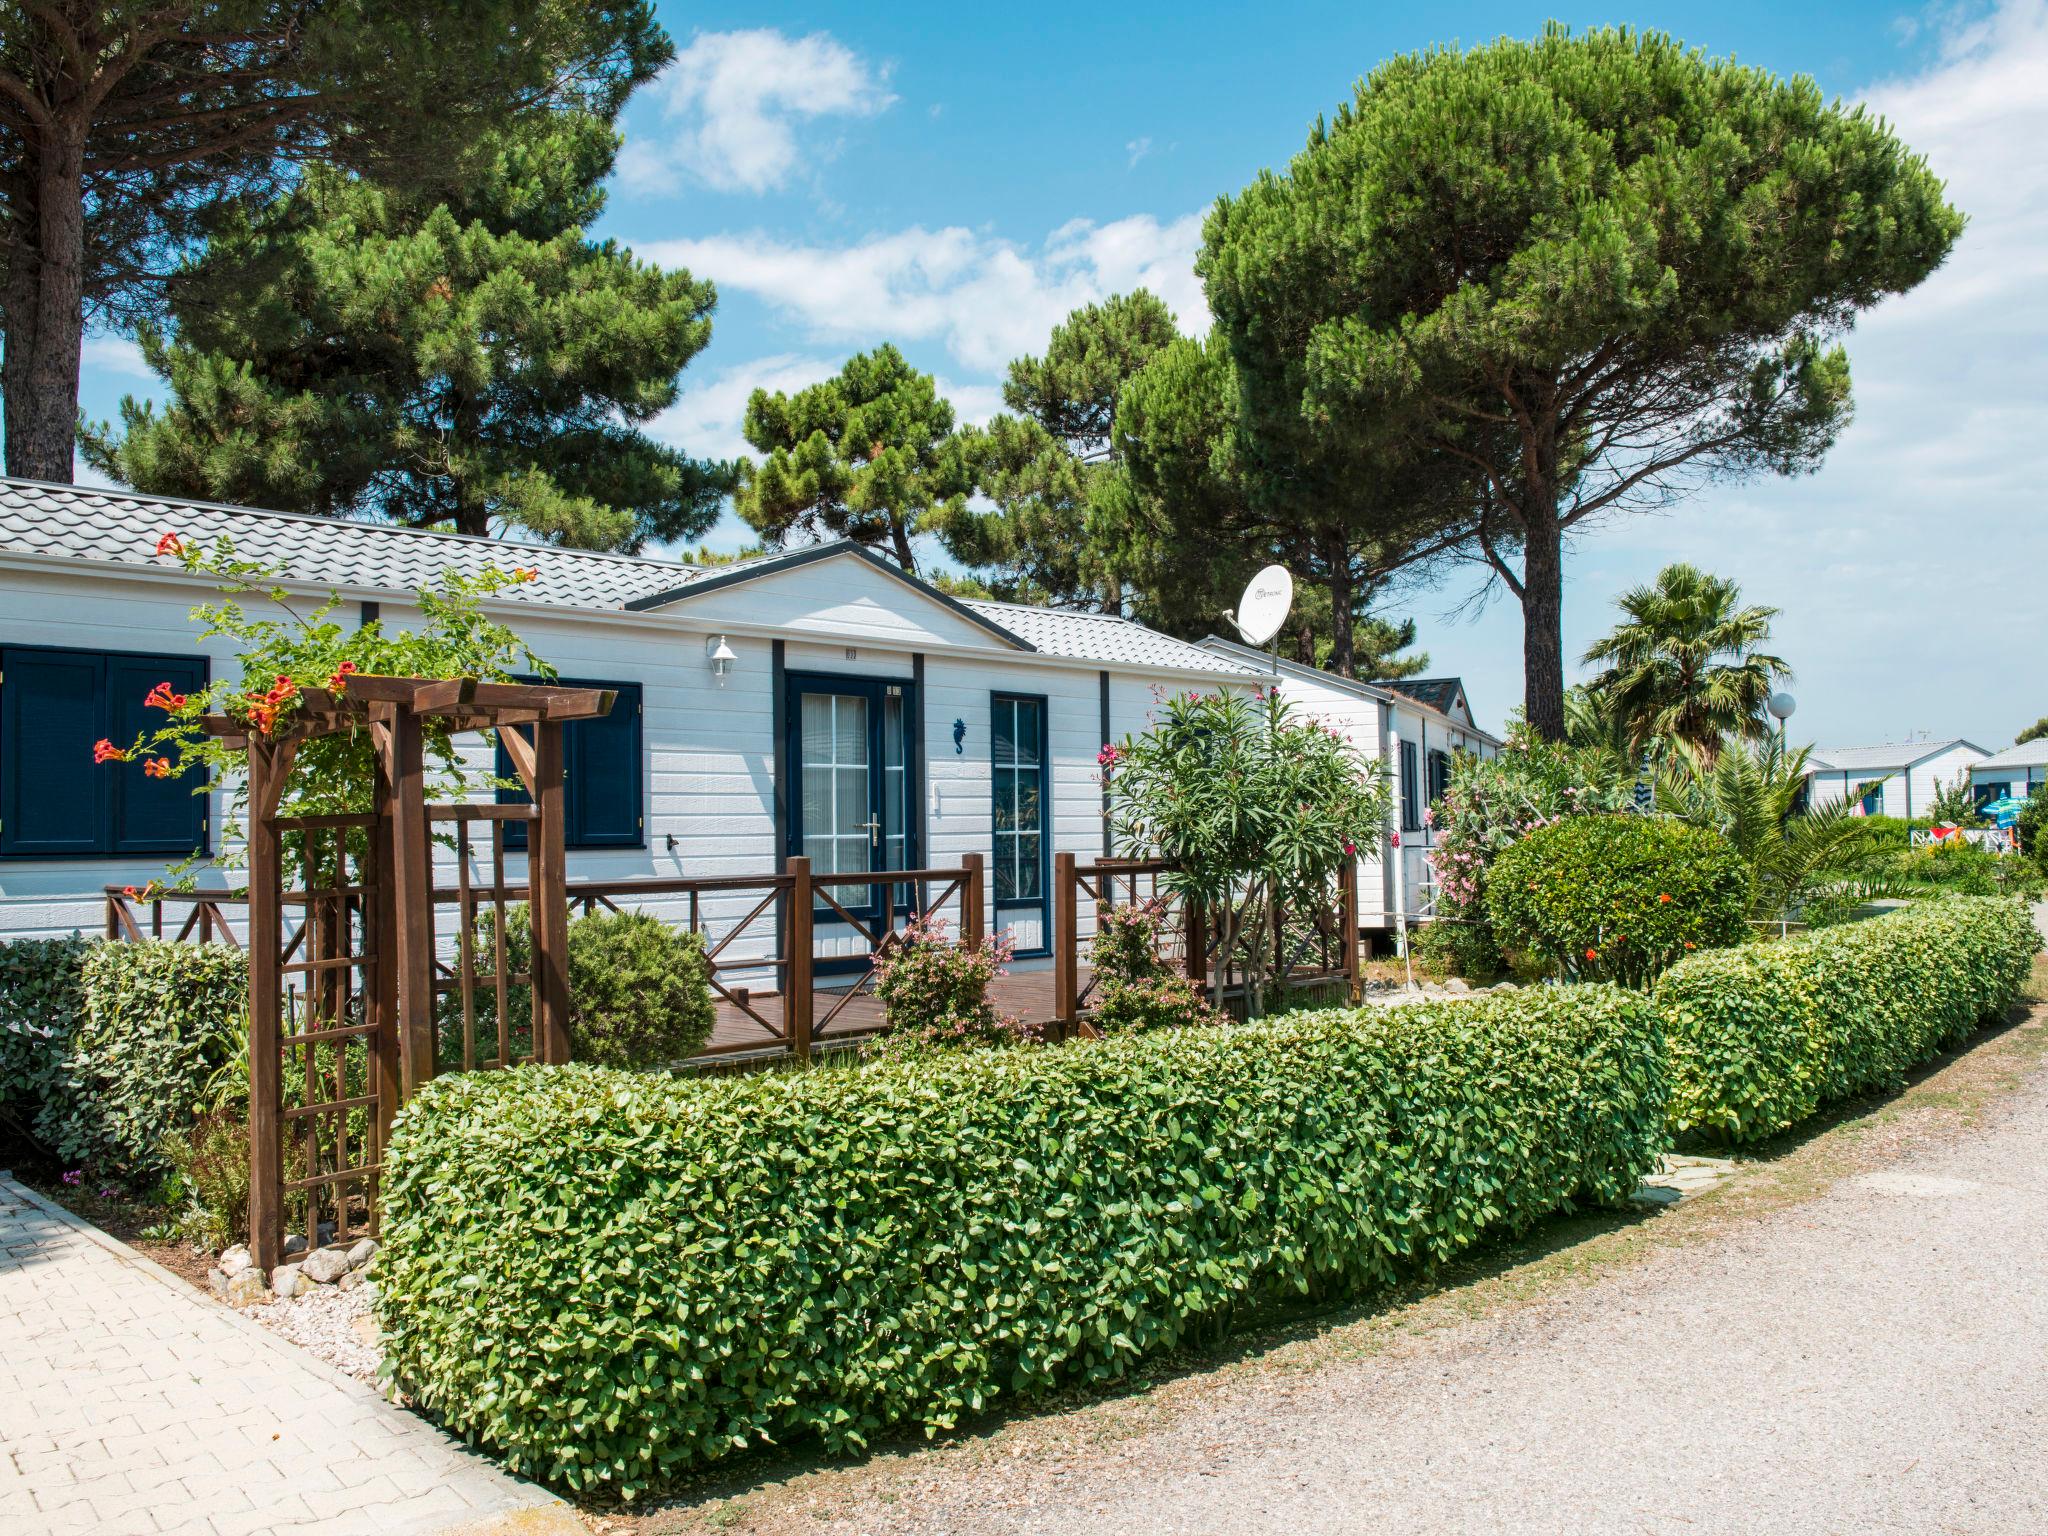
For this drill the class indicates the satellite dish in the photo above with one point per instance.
(1263, 608)
(1781, 705)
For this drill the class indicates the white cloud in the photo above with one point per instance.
(705, 420)
(735, 101)
(115, 354)
(1137, 149)
(987, 299)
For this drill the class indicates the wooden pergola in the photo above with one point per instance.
(348, 1003)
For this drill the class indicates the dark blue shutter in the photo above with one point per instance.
(53, 798)
(151, 815)
(604, 774)
(512, 794)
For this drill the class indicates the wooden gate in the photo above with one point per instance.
(347, 1013)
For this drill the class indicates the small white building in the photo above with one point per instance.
(2017, 771)
(1893, 779)
(818, 701)
(1415, 726)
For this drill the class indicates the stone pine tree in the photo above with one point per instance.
(1584, 274)
(127, 125)
(1201, 504)
(865, 455)
(476, 364)
(1050, 465)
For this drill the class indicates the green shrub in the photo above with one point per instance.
(42, 999)
(2033, 827)
(1135, 990)
(162, 1022)
(935, 993)
(1957, 866)
(611, 1280)
(1126, 946)
(1764, 1035)
(1156, 1002)
(212, 1159)
(1618, 898)
(639, 991)
(1449, 947)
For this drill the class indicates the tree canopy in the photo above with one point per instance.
(475, 363)
(1050, 465)
(864, 456)
(1565, 278)
(1205, 500)
(2033, 732)
(1686, 666)
(126, 126)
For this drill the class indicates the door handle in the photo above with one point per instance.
(874, 826)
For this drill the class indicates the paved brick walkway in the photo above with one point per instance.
(128, 1403)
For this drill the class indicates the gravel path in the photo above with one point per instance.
(1868, 1361)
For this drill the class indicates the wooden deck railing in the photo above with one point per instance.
(1311, 948)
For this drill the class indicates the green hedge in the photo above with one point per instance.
(42, 998)
(1763, 1036)
(106, 1049)
(612, 1279)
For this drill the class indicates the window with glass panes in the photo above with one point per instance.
(1018, 744)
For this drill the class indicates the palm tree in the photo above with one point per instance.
(1685, 665)
(1750, 794)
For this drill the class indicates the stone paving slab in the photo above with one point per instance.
(129, 1403)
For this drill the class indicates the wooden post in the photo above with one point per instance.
(411, 873)
(1353, 971)
(380, 928)
(548, 877)
(973, 922)
(797, 1000)
(266, 896)
(1066, 945)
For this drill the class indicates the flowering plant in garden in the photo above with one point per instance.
(934, 992)
(1253, 807)
(1494, 802)
(285, 646)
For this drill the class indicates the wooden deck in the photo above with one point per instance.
(1026, 994)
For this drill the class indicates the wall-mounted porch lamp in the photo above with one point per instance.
(721, 656)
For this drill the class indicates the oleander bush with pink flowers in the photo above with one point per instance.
(1492, 804)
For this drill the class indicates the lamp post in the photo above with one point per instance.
(1781, 706)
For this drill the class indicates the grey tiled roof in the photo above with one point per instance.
(2027, 754)
(1895, 754)
(122, 528)
(1439, 693)
(1102, 637)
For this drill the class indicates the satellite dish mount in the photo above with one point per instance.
(1263, 609)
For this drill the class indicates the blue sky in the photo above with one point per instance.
(955, 178)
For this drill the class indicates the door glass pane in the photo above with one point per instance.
(1027, 731)
(1027, 866)
(896, 809)
(1017, 799)
(832, 745)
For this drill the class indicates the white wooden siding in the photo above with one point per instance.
(840, 596)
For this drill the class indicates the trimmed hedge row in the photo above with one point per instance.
(611, 1279)
(1762, 1036)
(106, 1049)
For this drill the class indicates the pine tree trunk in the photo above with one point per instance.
(1343, 645)
(899, 532)
(46, 317)
(1543, 623)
